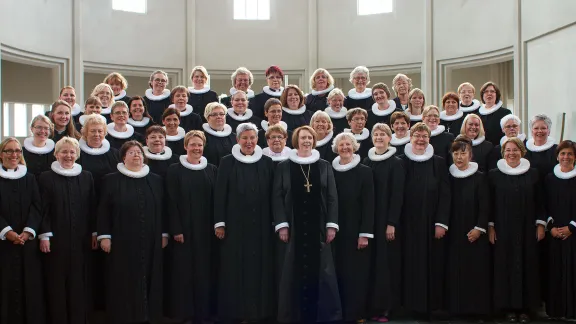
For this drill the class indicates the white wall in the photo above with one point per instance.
(37, 26)
(467, 27)
(539, 17)
(348, 40)
(156, 39)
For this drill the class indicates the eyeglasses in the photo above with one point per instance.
(40, 128)
(433, 116)
(217, 115)
(160, 80)
(10, 152)
(121, 113)
(420, 136)
(274, 77)
(362, 78)
(134, 153)
(511, 126)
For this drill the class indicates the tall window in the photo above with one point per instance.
(138, 6)
(252, 9)
(373, 7)
(16, 117)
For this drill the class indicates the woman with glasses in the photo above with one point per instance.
(273, 113)
(242, 79)
(360, 96)
(39, 149)
(22, 294)
(130, 231)
(492, 112)
(294, 112)
(357, 118)
(274, 89)
(119, 131)
(440, 140)
(541, 149)
(200, 93)
(157, 97)
(219, 136)
(61, 118)
(401, 84)
(510, 125)
(276, 147)
(240, 113)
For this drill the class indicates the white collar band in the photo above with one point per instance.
(133, 174)
(237, 153)
(520, 169)
(158, 157)
(196, 167)
(165, 94)
(419, 158)
(367, 93)
(47, 148)
(121, 135)
(304, 160)
(227, 130)
(76, 169)
(94, 151)
(385, 112)
(381, 157)
(321, 92)
(457, 173)
(345, 167)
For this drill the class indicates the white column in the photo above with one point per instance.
(190, 40)
(519, 56)
(428, 58)
(312, 44)
(76, 74)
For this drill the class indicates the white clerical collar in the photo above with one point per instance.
(166, 155)
(249, 93)
(264, 124)
(392, 107)
(359, 137)
(269, 92)
(475, 105)
(94, 151)
(381, 157)
(445, 117)
(564, 175)
(336, 115)
(399, 141)
(478, 140)
(484, 111)
(12, 174)
(520, 169)
(76, 169)
(165, 94)
(106, 111)
(139, 123)
(201, 91)
(298, 111)
(439, 130)
(414, 117)
(247, 115)
(183, 113)
(227, 130)
(521, 137)
(345, 167)
(82, 119)
(277, 156)
(321, 92)
(326, 139)
(419, 158)
(133, 174)
(533, 148)
(47, 148)
(304, 160)
(457, 173)
(177, 137)
(120, 96)
(367, 93)
(196, 167)
(247, 158)
(76, 109)
(121, 135)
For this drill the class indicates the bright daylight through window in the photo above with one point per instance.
(138, 6)
(252, 9)
(373, 7)
(16, 117)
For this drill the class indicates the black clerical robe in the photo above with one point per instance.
(159, 163)
(379, 116)
(69, 216)
(176, 144)
(481, 150)
(156, 105)
(191, 285)
(141, 126)
(21, 274)
(218, 144)
(260, 100)
(242, 206)
(38, 161)
(365, 103)
(453, 124)
(234, 120)
(491, 122)
(326, 152)
(316, 102)
(339, 124)
(200, 99)
(442, 144)
(192, 121)
(295, 120)
(117, 142)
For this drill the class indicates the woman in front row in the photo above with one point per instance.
(69, 219)
(130, 226)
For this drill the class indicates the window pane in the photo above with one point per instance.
(252, 9)
(37, 110)
(239, 9)
(372, 7)
(20, 120)
(264, 9)
(138, 6)
(6, 117)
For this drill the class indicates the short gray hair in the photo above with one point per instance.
(401, 76)
(242, 70)
(542, 117)
(360, 69)
(343, 136)
(507, 118)
(245, 127)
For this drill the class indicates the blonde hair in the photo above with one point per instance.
(3, 145)
(241, 71)
(101, 87)
(427, 110)
(335, 92)
(466, 84)
(420, 127)
(201, 69)
(516, 141)
(213, 105)
(412, 93)
(381, 127)
(343, 136)
(326, 73)
(116, 77)
(44, 119)
(321, 114)
(67, 140)
(93, 120)
(481, 133)
(117, 104)
(276, 129)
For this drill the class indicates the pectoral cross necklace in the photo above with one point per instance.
(308, 184)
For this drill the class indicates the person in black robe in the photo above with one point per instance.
(22, 294)
(516, 226)
(468, 262)
(400, 124)
(219, 136)
(140, 119)
(467, 103)
(105, 94)
(174, 133)
(274, 89)
(510, 125)
(305, 206)
(322, 125)
(92, 106)
(336, 111)
(242, 79)
(425, 220)
(130, 214)
(355, 187)
(68, 234)
(357, 118)
(243, 223)
(382, 109)
(360, 96)
(560, 187)
(189, 119)
(416, 105)
(492, 112)
(440, 140)
(38, 150)
(451, 117)
(119, 131)
(157, 98)
(481, 149)
(61, 117)
(276, 148)
(401, 84)
(68, 94)
(385, 273)
(160, 157)
(118, 83)
(240, 113)
(321, 83)
(190, 289)
(294, 112)
(200, 93)
(273, 113)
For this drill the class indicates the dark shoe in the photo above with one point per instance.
(524, 318)
(511, 318)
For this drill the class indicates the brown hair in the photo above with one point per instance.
(450, 95)
(114, 78)
(130, 144)
(566, 144)
(145, 114)
(155, 129)
(419, 127)
(486, 85)
(296, 134)
(383, 86)
(70, 128)
(177, 89)
(92, 100)
(463, 144)
(356, 111)
(194, 133)
(271, 102)
(518, 143)
(284, 96)
(170, 111)
(276, 129)
(412, 93)
(66, 87)
(399, 114)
